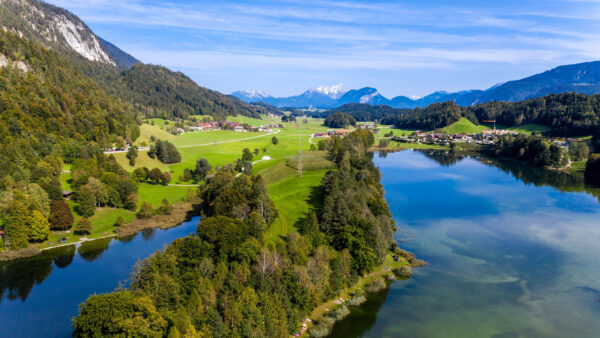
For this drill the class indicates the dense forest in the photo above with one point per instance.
(535, 150)
(161, 93)
(47, 107)
(339, 120)
(226, 281)
(364, 112)
(567, 114)
(436, 115)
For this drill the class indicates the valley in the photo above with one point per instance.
(138, 200)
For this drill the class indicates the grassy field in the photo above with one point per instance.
(143, 160)
(529, 128)
(147, 130)
(155, 193)
(293, 198)
(464, 126)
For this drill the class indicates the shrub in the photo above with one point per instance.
(61, 217)
(357, 300)
(146, 210)
(83, 227)
(375, 286)
(403, 271)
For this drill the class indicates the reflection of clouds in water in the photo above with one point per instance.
(508, 197)
(454, 177)
(412, 161)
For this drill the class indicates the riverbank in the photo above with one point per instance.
(181, 212)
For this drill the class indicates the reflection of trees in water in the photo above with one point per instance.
(443, 157)
(63, 256)
(362, 317)
(126, 239)
(529, 174)
(92, 250)
(540, 177)
(148, 234)
(18, 277)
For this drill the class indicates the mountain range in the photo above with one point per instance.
(580, 78)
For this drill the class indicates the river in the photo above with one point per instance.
(513, 251)
(40, 295)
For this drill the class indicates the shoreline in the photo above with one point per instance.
(385, 271)
(182, 212)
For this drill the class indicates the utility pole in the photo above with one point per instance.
(299, 152)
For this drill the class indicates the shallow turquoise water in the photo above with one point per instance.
(506, 258)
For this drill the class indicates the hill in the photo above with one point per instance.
(47, 106)
(152, 90)
(163, 93)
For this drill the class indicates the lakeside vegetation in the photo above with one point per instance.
(264, 289)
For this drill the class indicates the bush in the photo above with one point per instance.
(165, 207)
(375, 286)
(83, 227)
(61, 217)
(339, 313)
(403, 271)
(146, 210)
(274, 140)
(357, 300)
(384, 143)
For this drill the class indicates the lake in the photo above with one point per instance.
(513, 251)
(40, 295)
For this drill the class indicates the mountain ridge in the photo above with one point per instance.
(581, 78)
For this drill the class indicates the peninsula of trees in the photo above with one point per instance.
(226, 281)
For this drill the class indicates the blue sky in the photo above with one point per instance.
(399, 47)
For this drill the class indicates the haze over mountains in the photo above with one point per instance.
(580, 78)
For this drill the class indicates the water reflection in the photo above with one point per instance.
(46, 289)
(64, 256)
(17, 279)
(537, 176)
(513, 251)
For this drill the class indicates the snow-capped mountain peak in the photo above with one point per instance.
(255, 94)
(334, 92)
(367, 98)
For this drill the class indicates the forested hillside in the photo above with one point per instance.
(46, 106)
(163, 93)
(436, 115)
(364, 112)
(568, 114)
(565, 114)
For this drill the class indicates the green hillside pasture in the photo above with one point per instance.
(464, 126)
(143, 160)
(293, 198)
(207, 137)
(146, 131)
(225, 153)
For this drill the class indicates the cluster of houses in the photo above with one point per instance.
(485, 137)
(336, 132)
(235, 126)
